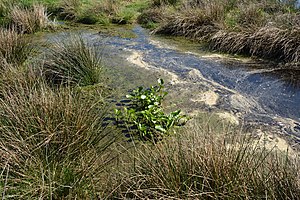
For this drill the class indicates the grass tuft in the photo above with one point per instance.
(72, 61)
(266, 29)
(268, 42)
(69, 9)
(208, 161)
(190, 23)
(53, 143)
(15, 48)
(29, 20)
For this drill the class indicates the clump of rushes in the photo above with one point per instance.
(72, 61)
(53, 144)
(208, 161)
(69, 9)
(15, 48)
(145, 113)
(164, 2)
(13, 77)
(237, 27)
(267, 42)
(189, 23)
(88, 12)
(29, 20)
(151, 17)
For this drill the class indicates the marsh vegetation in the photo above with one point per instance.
(265, 29)
(56, 141)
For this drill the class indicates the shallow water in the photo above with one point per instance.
(255, 93)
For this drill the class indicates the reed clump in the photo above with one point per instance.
(69, 9)
(190, 23)
(53, 142)
(268, 42)
(207, 161)
(29, 20)
(268, 29)
(15, 48)
(72, 61)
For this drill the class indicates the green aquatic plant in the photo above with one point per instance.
(145, 112)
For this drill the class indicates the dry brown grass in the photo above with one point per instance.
(267, 42)
(53, 143)
(231, 42)
(14, 77)
(189, 23)
(208, 161)
(14, 47)
(69, 9)
(264, 29)
(107, 7)
(287, 20)
(29, 20)
(153, 15)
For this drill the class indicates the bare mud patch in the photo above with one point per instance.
(210, 98)
(274, 142)
(229, 118)
(136, 58)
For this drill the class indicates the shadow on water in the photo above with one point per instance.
(290, 77)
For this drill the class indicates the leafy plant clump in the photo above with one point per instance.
(146, 115)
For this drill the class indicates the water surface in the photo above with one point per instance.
(257, 93)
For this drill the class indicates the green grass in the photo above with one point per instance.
(130, 11)
(72, 61)
(53, 142)
(82, 11)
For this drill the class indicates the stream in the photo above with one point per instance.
(251, 93)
